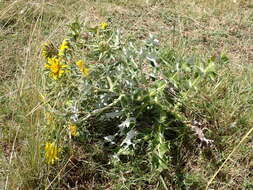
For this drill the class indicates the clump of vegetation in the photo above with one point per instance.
(127, 97)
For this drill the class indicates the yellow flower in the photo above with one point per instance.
(104, 25)
(63, 47)
(73, 130)
(51, 153)
(56, 67)
(82, 67)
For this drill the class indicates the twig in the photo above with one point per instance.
(15, 91)
(39, 105)
(229, 156)
(163, 182)
(58, 174)
(11, 156)
(110, 83)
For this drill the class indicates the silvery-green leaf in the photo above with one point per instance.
(113, 114)
(125, 124)
(152, 59)
(110, 139)
(128, 140)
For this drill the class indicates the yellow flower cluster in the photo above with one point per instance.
(63, 47)
(104, 25)
(82, 67)
(51, 152)
(56, 67)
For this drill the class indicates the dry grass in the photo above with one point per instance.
(197, 27)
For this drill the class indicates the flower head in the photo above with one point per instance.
(104, 25)
(73, 130)
(82, 67)
(63, 47)
(51, 152)
(48, 50)
(56, 67)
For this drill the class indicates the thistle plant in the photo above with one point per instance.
(125, 95)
